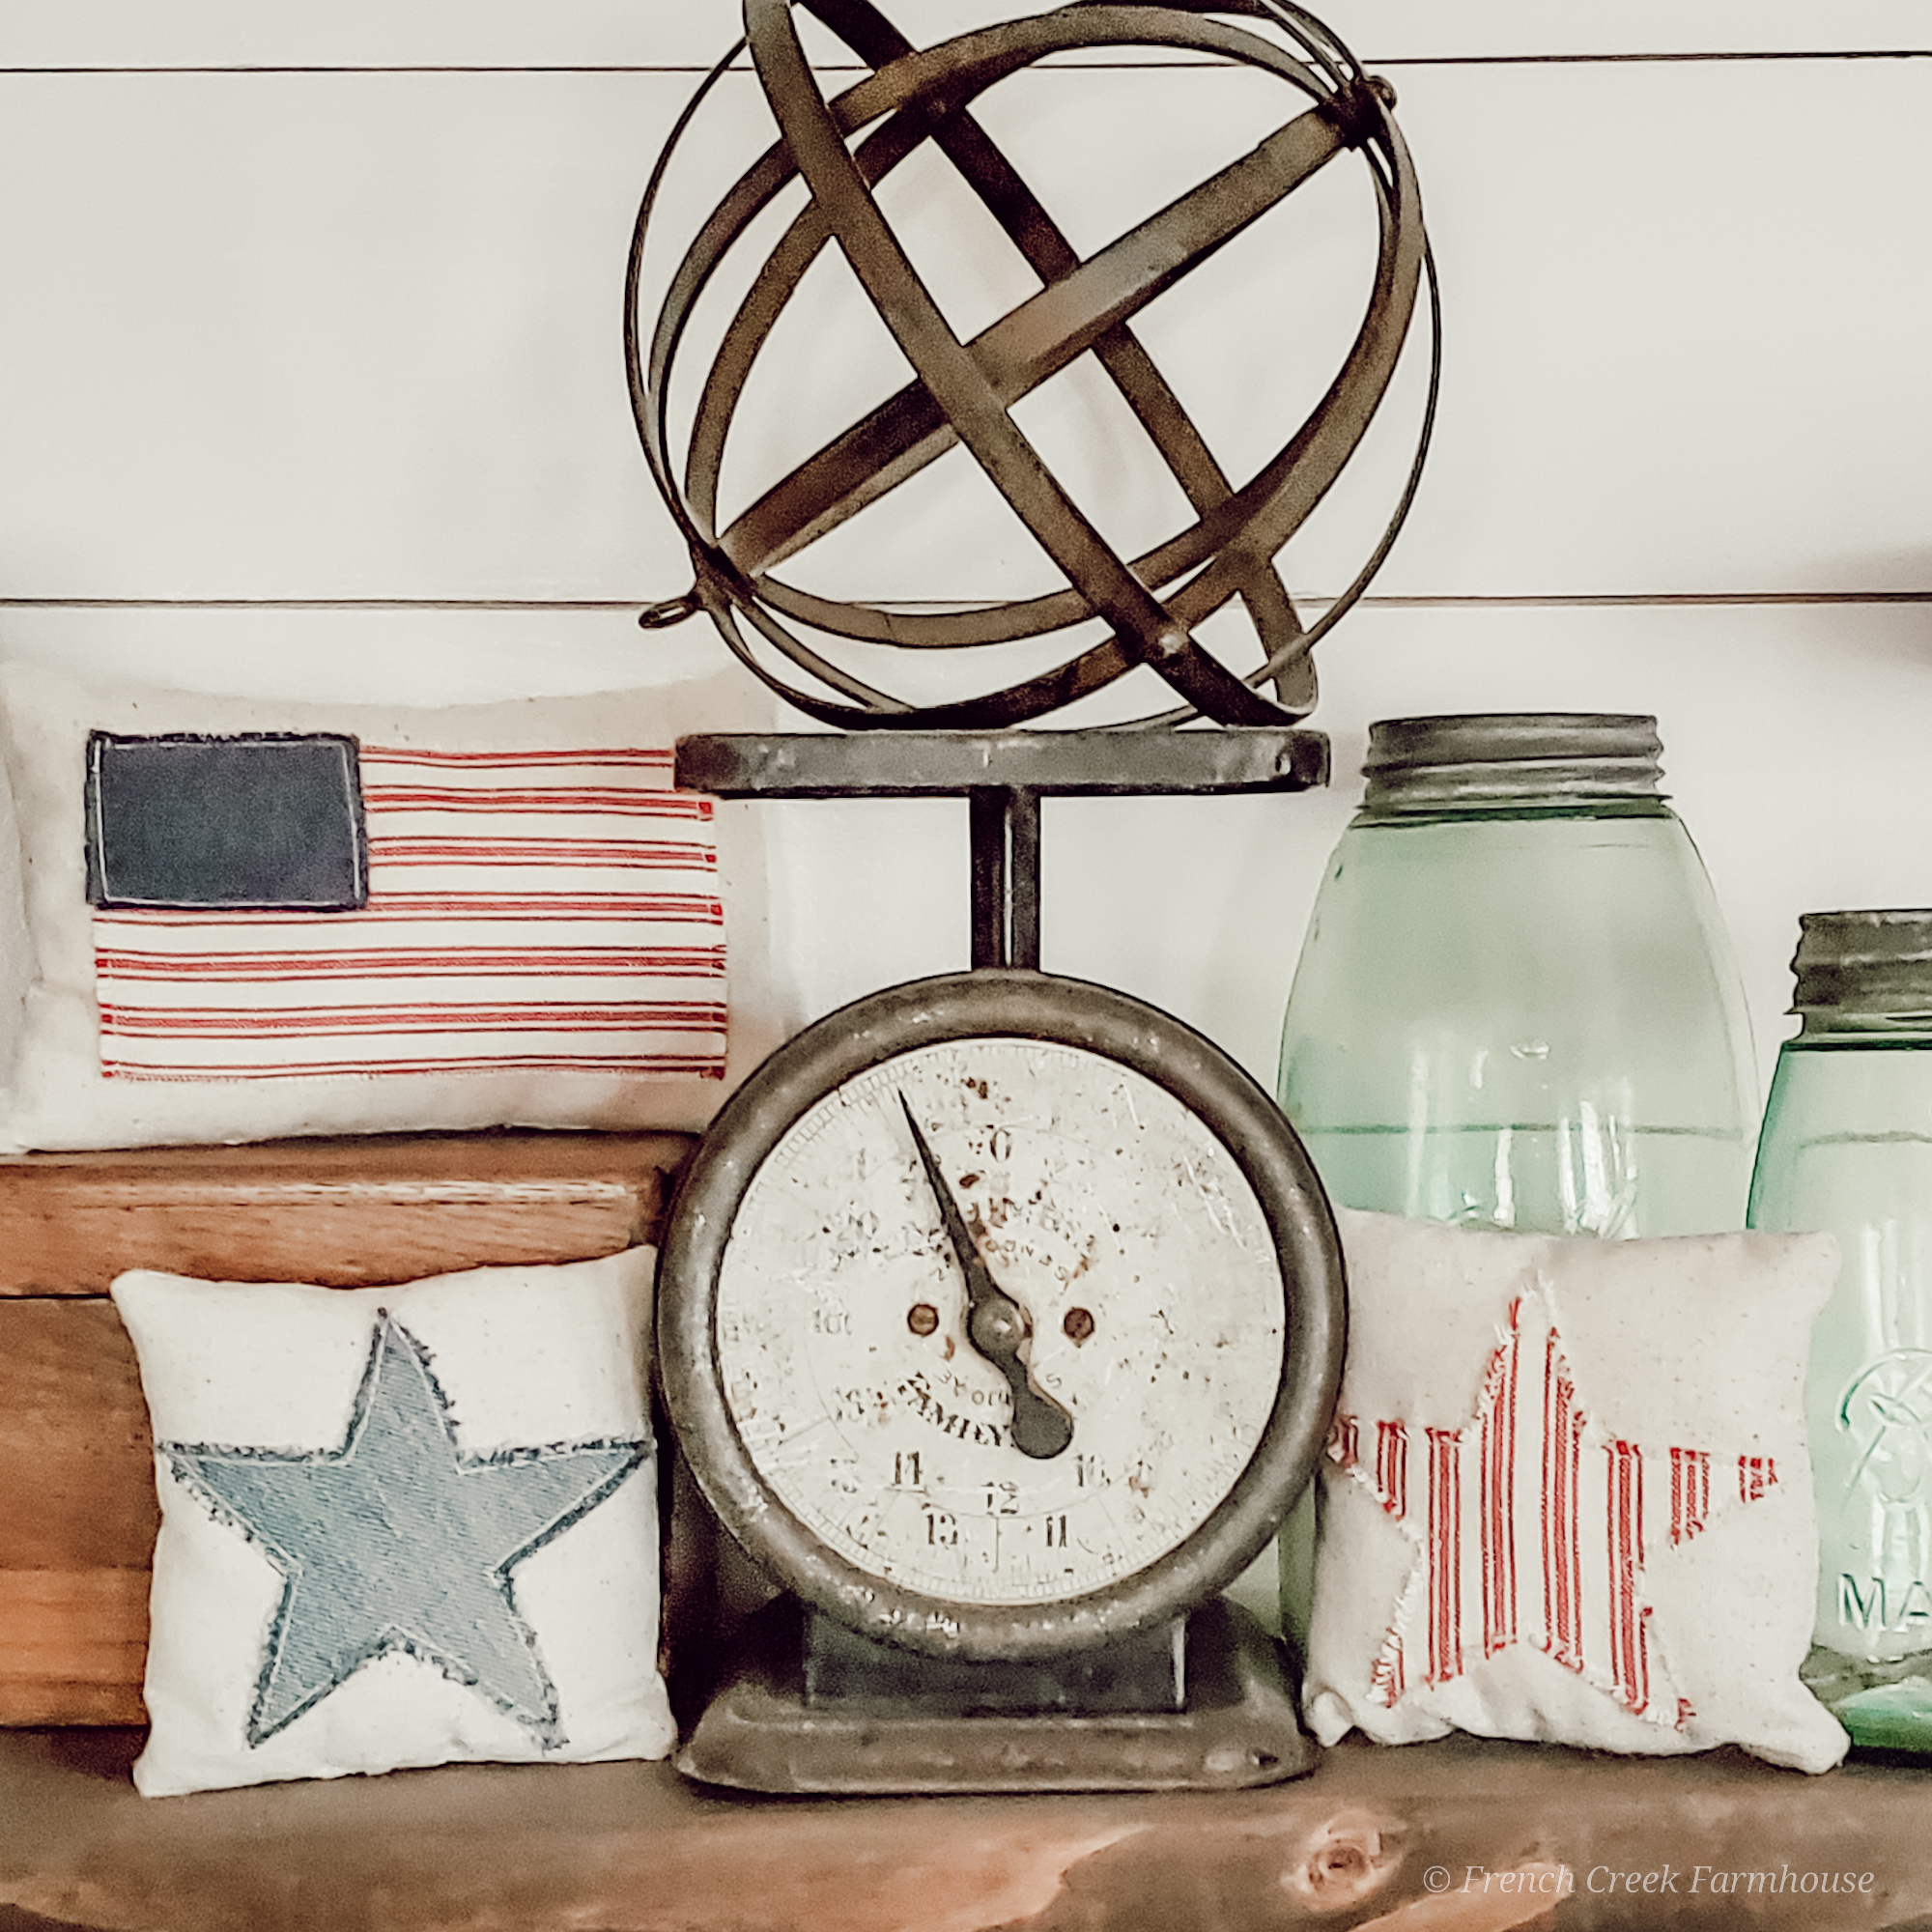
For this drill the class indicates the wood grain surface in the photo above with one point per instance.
(77, 1514)
(1454, 1836)
(348, 1213)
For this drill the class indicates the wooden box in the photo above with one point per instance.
(77, 1514)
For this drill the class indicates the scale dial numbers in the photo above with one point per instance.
(845, 1277)
(1119, 1224)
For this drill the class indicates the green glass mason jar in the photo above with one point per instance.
(1517, 1006)
(1847, 1148)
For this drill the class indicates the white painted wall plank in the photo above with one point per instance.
(370, 33)
(1384, 30)
(102, 34)
(358, 335)
(324, 335)
(1684, 329)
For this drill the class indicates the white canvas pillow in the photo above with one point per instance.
(544, 941)
(400, 1527)
(1567, 1496)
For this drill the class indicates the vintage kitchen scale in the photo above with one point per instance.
(1001, 1313)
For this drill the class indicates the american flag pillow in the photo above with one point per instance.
(526, 910)
(376, 918)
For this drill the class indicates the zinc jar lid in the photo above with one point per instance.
(1863, 962)
(1556, 757)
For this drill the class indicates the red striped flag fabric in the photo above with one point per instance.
(1535, 1525)
(527, 911)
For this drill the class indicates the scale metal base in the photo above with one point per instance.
(1239, 1727)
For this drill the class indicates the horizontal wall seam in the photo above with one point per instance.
(697, 71)
(324, 602)
(1585, 599)
(1446, 600)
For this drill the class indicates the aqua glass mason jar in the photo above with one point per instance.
(1847, 1148)
(1517, 1006)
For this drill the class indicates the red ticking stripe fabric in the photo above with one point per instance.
(527, 911)
(1536, 1515)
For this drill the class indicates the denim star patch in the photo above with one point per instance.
(399, 1541)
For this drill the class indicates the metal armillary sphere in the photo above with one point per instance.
(965, 391)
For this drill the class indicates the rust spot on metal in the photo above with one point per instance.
(923, 1318)
(1078, 1324)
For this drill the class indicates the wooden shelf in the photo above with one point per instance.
(630, 1848)
(1512, 1835)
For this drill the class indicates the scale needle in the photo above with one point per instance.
(997, 1326)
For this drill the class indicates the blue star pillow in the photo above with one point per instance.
(400, 1527)
(1566, 1495)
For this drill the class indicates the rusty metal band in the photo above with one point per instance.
(966, 72)
(1084, 306)
(1058, 613)
(1037, 340)
(1026, 222)
(1142, 628)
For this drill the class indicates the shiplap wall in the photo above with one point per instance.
(310, 384)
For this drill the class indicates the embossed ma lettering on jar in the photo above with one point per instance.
(1847, 1148)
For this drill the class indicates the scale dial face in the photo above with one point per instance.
(1003, 1335)
(1111, 1215)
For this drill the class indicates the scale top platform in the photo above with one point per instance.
(1055, 764)
(1002, 775)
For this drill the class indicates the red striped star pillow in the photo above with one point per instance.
(526, 923)
(1566, 1495)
